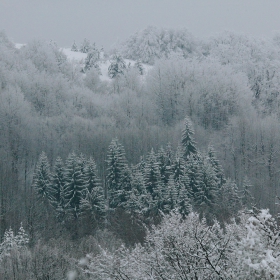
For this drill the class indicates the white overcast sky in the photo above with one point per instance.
(107, 21)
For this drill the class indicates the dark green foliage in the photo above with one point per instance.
(74, 47)
(116, 67)
(93, 200)
(74, 184)
(58, 184)
(152, 175)
(184, 203)
(188, 144)
(178, 166)
(164, 158)
(207, 189)
(42, 178)
(194, 174)
(92, 59)
(117, 178)
(216, 165)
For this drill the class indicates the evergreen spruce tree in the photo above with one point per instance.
(178, 166)
(206, 195)
(12, 241)
(116, 67)
(74, 184)
(165, 164)
(116, 174)
(152, 175)
(229, 200)
(169, 196)
(216, 165)
(184, 204)
(188, 144)
(93, 201)
(21, 239)
(42, 178)
(193, 174)
(85, 46)
(235, 200)
(139, 200)
(57, 183)
(8, 241)
(58, 190)
(91, 176)
(74, 47)
(92, 60)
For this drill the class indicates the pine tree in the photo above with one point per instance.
(93, 200)
(74, 47)
(206, 196)
(229, 200)
(58, 189)
(12, 241)
(92, 59)
(189, 145)
(165, 164)
(91, 177)
(57, 182)
(183, 204)
(74, 184)
(139, 199)
(42, 178)
(8, 241)
(178, 166)
(116, 169)
(169, 196)
(193, 174)
(116, 67)
(21, 239)
(216, 165)
(85, 46)
(152, 175)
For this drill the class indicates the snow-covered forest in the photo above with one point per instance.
(158, 159)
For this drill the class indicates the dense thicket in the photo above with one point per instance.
(119, 153)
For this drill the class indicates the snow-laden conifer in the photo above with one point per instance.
(93, 200)
(42, 178)
(117, 66)
(74, 184)
(187, 141)
(117, 174)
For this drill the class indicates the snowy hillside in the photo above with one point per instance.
(78, 58)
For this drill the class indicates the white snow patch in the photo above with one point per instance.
(76, 56)
(78, 59)
(19, 46)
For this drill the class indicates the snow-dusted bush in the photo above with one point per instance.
(191, 249)
(13, 242)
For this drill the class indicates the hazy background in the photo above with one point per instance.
(107, 21)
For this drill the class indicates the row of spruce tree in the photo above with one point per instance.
(186, 180)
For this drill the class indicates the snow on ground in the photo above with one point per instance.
(78, 58)
(19, 46)
(74, 56)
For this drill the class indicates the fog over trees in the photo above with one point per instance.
(167, 168)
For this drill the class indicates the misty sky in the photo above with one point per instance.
(108, 21)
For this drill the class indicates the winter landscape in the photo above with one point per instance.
(157, 158)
